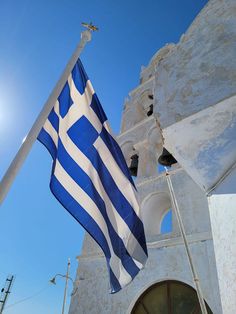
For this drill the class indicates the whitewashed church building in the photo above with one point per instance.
(185, 102)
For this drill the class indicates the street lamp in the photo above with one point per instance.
(53, 281)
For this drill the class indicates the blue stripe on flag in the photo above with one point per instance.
(79, 213)
(65, 100)
(87, 222)
(115, 286)
(121, 265)
(116, 153)
(54, 119)
(84, 181)
(109, 140)
(82, 133)
(119, 201)
(97, 108)
(47, 141)
(80, 77)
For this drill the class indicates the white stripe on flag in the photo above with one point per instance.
(88, 204)
(81, 106)
(48, 127)
(122, 182)
(51, 131)
(112, 207)
(117, 221)
(56, 109)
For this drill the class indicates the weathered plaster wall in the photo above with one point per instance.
(195, 97)
(144, 139)
(192, 201)
(188, 77)
(165, 263)
(222, 207)
(204, 143)
(167, 256)
(135, 105)
(200, 70)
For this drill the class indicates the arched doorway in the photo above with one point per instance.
(168, 297)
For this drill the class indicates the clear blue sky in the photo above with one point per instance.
(36, 40)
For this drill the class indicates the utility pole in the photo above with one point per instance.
(5, 292)
(66, 284)
(53, 281)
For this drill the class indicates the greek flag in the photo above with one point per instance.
(91, 180)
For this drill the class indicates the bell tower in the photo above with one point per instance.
(164, 101)
(167, 271)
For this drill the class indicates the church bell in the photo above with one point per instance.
(166, 159)
(133, 168)
(150, 111)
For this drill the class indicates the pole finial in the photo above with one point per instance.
(90, 26)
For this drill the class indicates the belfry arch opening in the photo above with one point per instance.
(168, 297)
(133, 168)
(166, 222)
(154, 209)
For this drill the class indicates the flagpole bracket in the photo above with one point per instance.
(86, 36)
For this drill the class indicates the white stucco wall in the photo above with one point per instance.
(197, 72)
(195, 89)
(222, 206)
(165, 263)
(200, 71)
(167, 257)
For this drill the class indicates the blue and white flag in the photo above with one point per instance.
(91, 180)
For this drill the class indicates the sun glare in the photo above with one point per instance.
(8, 116)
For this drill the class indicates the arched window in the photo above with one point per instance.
(166, 222)
(168, 297)
(133, 168)
(150, 110)
(153, 209)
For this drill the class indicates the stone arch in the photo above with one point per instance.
(166, 283)
(154, 135)
(155, 142)
(153, 208)
(147, 101)
(127, 149)
(133, 113)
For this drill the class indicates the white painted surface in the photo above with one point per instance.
(167, 256)
(165, 263)
(204, 143)
(200, 70)
(197, 72)
(222, 207)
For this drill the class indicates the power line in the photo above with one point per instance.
(29, 297)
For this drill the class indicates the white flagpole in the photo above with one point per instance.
(183, 234)
(39, 122)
